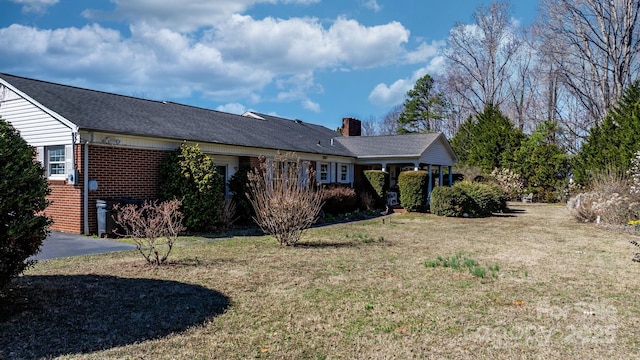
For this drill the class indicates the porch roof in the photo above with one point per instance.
(418, 147)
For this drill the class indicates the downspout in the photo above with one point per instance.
(85, 192)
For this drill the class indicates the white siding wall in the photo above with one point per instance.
(437, 154)
(36, 126)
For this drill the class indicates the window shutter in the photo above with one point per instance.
(40, 155)
(68, 159)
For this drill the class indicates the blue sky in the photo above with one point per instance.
(315, 60)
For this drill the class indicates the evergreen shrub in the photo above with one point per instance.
(379, 181)
(23, 191)
(413, 190)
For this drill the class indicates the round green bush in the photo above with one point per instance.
(449, 201)
(23, 191)
(483, 198)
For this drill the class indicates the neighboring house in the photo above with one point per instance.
(97, 145)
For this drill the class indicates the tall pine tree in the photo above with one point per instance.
(424, 108)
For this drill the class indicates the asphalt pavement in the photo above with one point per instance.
(59, 245)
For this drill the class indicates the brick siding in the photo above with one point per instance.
(65, 208)
(122, 173)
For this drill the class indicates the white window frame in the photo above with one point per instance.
(327, 172)
(48, 162)
(343, 173)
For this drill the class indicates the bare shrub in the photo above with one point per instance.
(228, 214)
(583, 206)
(367, 201)
(153, 227)
(339, 200)
(284, 199)
(610, 200)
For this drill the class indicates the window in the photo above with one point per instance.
(55, 159)
(344, 173)
(324, 172)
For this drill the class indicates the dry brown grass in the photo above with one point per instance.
(564, 290)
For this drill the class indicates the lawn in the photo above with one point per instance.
(359, 290)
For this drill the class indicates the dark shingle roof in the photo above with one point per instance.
(100, 111)
(409, 145)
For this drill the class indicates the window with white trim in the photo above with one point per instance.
(324, 172)
(343, 173)
(55, 161)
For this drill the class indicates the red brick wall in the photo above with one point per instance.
(65, 208)
(122, 173)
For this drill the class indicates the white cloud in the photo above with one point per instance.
(424, 52)
(372, 4)
(35, 6)
(301, 44)
(384, 95)
(233, 58)
(388, 95)
(183, 16)
(234, 108)
(310, 105)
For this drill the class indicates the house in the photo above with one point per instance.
(98, 145)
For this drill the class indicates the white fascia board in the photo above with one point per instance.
(373, 157)
(55, 115)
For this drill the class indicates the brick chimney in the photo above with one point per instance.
(351, 127)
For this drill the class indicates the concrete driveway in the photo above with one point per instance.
(59, 245)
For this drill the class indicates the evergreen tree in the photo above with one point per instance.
(613, 143)
(542, 164)
(23, 191)
(488, 141)
(424, 108)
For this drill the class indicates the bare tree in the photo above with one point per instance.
(284, 198)
(389, 122)
(594, 46)
(481, 56)
(370, 126)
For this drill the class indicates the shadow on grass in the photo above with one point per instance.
(48, 316)
(319, 245)
(247, 231)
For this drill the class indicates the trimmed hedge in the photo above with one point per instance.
(379, 181)
(485, 198)
(473, 199)
(339, 200)
(413, 189)
(449, 201)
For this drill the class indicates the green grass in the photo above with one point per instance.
(563, 290)
(461, 262)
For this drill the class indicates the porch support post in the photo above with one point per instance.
(429, 186)
(416, 167)
(384, 166)
(450, 176)
(441, 179)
